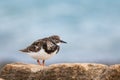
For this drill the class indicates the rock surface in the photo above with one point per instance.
(1, 79)
(65, 71)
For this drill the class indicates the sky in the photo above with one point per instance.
(91, 29)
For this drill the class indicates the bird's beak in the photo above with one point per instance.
(62, 41)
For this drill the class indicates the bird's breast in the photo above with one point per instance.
(42, 54)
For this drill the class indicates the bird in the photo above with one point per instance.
(43, 49)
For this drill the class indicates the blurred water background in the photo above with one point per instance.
(91, 28)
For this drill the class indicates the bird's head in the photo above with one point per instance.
(56, 39)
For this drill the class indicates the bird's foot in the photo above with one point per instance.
(43, 63)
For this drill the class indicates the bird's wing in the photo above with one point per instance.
(34, 47)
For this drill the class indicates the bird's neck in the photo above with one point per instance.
(58, 44)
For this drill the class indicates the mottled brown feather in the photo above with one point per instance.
(47, 44)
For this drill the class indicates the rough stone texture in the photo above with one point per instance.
(112, 73)
(65, 71)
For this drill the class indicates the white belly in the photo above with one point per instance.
(42, 55)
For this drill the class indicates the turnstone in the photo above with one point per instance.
(43, 49)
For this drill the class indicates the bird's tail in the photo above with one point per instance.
(23, 50)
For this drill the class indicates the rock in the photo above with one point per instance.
(112, 73)
(65, 71)
(1, 79)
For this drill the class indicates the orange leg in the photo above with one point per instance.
(43, 62)
(38, 61)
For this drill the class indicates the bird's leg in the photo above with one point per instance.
(43, 63)
(38, 61)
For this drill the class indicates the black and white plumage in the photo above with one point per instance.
(44, 49)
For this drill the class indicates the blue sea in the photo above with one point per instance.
(91, 29)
